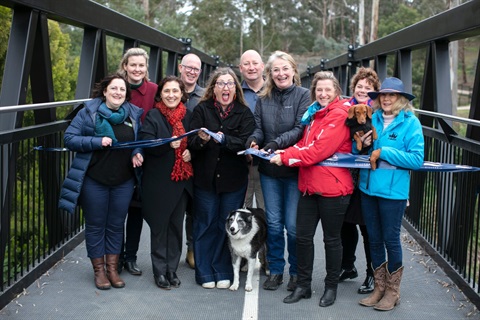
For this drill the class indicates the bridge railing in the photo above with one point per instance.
(444, 207)
(33, 233)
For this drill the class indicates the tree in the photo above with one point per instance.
(5, 23)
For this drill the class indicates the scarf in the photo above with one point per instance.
(181, 170)
(223, 113)
(308, 115)
(106, 118)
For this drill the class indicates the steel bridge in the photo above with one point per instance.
(42, 251)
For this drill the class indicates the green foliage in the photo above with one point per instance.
(5, 22)
(404, 16)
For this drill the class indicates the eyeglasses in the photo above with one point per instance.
(191, 69)
(229, 84)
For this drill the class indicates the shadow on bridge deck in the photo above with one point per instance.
(67, 291)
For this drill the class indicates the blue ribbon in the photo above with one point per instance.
(143, 143)
(348, 160)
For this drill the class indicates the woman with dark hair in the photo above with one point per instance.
(166, 183)
(104, 177)
(221, 175)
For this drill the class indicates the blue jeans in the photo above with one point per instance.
(212, 255)
(281, 197)
(383, 218)
(105, 209)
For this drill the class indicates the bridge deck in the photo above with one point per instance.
(67, 292)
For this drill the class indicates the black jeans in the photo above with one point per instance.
(331, 211)
(349, 243)
(133, 232)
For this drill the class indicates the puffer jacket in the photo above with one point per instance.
(325, 135)
(80, 137)
(402, 145)
(277, 118)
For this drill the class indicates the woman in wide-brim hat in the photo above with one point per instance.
(385, 192)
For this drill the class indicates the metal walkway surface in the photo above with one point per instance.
(67, 291)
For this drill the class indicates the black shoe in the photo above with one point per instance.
(367, 285)
(131, 266)
(297, 294)
(348, 274)
(273, 282)
(162, 282)
(328, 297)
(292, 283)
(173, 279)
(120, 267)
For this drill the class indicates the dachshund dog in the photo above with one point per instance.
(360, 122)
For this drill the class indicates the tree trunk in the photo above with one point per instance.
(374, 22)
(146, 11)
(361, 22)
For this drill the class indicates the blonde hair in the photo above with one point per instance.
(130, 53)
(213, 80)
(269, 83)
(324, 75)
(402, 103)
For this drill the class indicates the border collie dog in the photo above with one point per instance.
(247, 233)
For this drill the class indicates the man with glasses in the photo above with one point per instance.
(190, 69)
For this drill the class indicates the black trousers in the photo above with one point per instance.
(330, 211)
(349, 243)
(166, 245)
(133, 232)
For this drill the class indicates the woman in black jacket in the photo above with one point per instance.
(167, 183)
(279, 110)
(220, 180)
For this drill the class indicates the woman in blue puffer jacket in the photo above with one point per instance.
(385, 191)
(101, 180)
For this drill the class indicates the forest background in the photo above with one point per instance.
(309, 30)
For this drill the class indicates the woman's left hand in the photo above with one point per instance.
(277, 159)
(186, 155)
(137, 160)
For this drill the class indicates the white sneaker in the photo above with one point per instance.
(209, 285)
(223, 284)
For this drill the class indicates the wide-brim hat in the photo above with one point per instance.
(390, 85)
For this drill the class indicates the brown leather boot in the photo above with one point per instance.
(112, 274)
(101, 281)
(392, 291)
(379, 289)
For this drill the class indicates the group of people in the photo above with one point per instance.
(200, 178)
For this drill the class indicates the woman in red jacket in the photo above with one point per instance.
(325, 190)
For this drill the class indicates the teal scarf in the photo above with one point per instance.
(106, 118)
(308, 115)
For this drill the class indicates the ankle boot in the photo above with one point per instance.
(379, 287)
(101, 281)
(112, 274)
(328, 297)
(392, 291)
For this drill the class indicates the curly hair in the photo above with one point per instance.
(368, 74)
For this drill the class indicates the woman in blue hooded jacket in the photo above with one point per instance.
(101, 180)
(385, 191)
